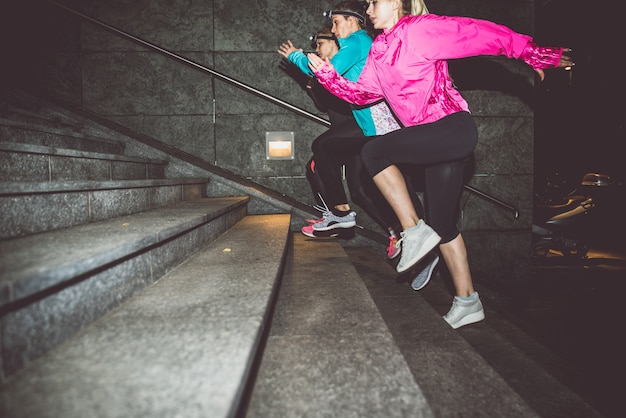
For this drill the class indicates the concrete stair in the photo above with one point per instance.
(183, 346)
(299, 327)
(138, 295)
(329, 351)
(351, 338)
(90, 238)
(494, 368)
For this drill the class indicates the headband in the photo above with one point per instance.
(315, 37)
(329, 14)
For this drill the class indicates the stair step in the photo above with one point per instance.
(492, 362)
(27, 208)
(16, 104)
(182, 347)
(27, 119)
(53, 284)
(25, 162)
(329, 352)
(42, 135)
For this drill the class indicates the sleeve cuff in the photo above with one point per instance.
(539, 57)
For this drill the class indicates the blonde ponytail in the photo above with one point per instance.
(418, 7)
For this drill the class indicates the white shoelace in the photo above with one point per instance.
(324, 209)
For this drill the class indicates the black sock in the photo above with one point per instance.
(338, 212)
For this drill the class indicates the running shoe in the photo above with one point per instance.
(416, 243)
(424, 275)
(331, 221)
(308, 230)
(394, 248)
(465, 312)
(342, 233)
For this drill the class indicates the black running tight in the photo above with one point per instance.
(341, 146)
(443, 147)
(331, 150)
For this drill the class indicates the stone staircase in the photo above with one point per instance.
(88, 234)
(128, 293)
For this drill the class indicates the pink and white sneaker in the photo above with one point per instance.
(394, 248)
(308, 230)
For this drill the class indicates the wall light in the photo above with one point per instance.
(279, 145)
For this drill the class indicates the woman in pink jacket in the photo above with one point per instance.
(407, 66)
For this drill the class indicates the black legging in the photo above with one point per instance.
(333, 149)
(364, 192)
(443, 147)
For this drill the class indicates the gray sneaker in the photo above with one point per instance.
(423, 277)
(331, 221)
(416, 243)
(464, 313)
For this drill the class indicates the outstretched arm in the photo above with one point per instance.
(287, 48)
(460, 37)
(295, 56)
(337, 85)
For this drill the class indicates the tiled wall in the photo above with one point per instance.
(211, 119)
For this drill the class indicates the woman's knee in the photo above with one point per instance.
(369, 154)
(447, 234)
(310, 167)
(316, 147)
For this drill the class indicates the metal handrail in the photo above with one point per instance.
(247, 88)
(197, 66)
(492, 200)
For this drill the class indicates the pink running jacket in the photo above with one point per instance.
(407, 66)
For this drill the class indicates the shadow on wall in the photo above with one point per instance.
(481, 73)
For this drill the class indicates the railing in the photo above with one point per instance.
(245, 87)
(196, 66)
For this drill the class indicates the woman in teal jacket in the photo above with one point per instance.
(348, 61)
(342, 143)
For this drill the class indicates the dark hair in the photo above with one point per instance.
(354, 6)
(324, 32)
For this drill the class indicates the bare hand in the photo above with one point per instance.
(565, 62)
(287, 48)
(315, 62)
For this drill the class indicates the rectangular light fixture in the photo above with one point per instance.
(279, 145)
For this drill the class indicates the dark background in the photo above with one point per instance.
(580, 115)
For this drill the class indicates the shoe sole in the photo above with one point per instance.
(338, 225)
(470, 319)
(393, 256)
(429, 269)
(345, 233)
(430, 244)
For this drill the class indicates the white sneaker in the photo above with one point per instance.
(416, 243)
(464, 313)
